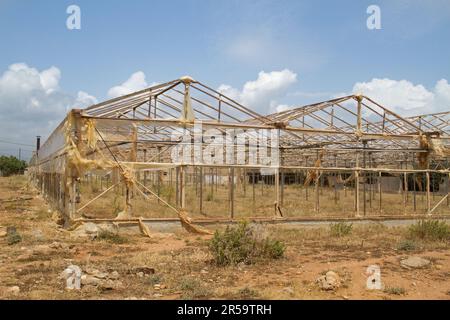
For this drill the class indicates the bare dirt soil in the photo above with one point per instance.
(178, 265)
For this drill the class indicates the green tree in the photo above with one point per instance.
(11, 165)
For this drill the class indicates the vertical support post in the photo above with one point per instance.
(379, 191)
(145, 172)
(177, 186)
(316, 188)
(414, 194)
(357, 186)
(253, 191)
(201, 190)
(405, 197)
(335, 180)
(183, 186)
(277, 190)
(364, 178)
(160, 175)
(231, 191)
(428, 193)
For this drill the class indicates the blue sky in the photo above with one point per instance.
(326, 44)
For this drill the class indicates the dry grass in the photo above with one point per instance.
(184, 269)
(216, 201)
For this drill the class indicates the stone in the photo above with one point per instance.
(111, 285)
(330, 281)
(114, 275)
(414, 262)
(3, 232)
(144, 270)
(14, 290)
(107, 227)
(98, 274)
(89, 230)
(140, 274)
(88, 280)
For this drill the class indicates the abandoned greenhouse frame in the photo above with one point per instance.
(346, 158)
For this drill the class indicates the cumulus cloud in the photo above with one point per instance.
(405, 97)
(84, 100)
(32, 103)
(136, 82)
(261, 94)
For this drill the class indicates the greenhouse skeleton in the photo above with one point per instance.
(123, 149)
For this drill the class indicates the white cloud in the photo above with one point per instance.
(31, 102)
(262, 93)
(405, 97)
(136, 82)
(282, 107)
(84, 100)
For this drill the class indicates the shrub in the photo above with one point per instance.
(430, 230)
(154, 279)
(395, 290)
(243, 244)
(13, 236)
(11, 165)
(193, 288)
(407, 245)
(341, 229)
(112, 237)
(247, 293)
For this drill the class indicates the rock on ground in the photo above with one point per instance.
(89, 230)
(414, 262)
(330, 281)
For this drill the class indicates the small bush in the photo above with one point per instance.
(430, 230)
(112, 237)
(154, 279)
(243, 244)
(407, 245)
(341, 229)
(209, 197)
(13, 236)
(193, 288)
(247, 293)
(395, 291)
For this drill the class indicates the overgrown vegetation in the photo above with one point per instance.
(341, 229)
(395, 291)
(111, 237)
(407, 245)
(154, 279)
(13, 236)
(244, 244)
(435, 230)
(193, 288)
(11, 165)
(247, 293)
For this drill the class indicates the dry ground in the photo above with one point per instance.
(183, 267)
